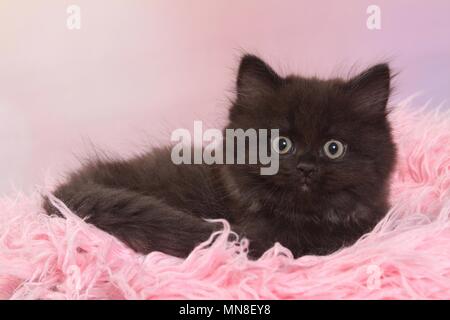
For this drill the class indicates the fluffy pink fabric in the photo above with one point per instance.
(406, 256)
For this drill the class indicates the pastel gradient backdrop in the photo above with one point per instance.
(139, 69)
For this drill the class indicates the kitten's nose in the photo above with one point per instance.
(307, 168)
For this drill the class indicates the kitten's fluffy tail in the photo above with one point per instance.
(143, 222)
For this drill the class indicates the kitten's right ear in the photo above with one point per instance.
(371, 89)
(255, 77)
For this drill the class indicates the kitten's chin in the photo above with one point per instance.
(306, 188)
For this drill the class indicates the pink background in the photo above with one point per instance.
(139, 69)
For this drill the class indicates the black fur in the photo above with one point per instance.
(152, 204)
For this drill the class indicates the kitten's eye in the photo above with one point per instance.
(282, 145)
(334, 149)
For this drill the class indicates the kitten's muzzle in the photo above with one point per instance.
(307, 169)
(308, 173)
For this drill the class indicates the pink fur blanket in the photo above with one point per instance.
(406, 256)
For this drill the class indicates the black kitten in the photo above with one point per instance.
(336, 156)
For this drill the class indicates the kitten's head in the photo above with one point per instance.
(334, 134)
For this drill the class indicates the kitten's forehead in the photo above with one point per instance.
(315, 92)
(313, 105)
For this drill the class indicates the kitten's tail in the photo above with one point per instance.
(143, 222)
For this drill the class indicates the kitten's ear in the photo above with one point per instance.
(255, 77)
(370, 89)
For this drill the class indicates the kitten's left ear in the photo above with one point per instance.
(255, 77)
(370, 89)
